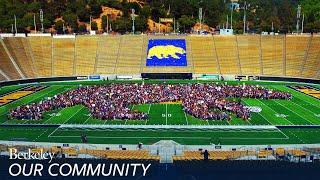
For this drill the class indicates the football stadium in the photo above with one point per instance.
(162, 96)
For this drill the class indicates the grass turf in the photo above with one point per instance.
(301, 110)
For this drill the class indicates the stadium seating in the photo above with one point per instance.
(129, 59)
(226, 48)
(20, 52)
(297, 152)
(85, 55)
(121, 154)
(107, 54)
(214, 155)
(45, 56)
(63, 56)
(311, 65)
(42, 55)
(6, 64)
(296, 52)
(204, 55)
(249, 54)
(272, 48)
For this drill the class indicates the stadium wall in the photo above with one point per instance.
(255, 55)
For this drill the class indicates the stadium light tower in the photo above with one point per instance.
(15, 24)
(133, 18)
(34, 22)
(298, 18)
(200, 18)
(41, 20)
(244, 17)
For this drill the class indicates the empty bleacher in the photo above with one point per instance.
(296, 51)
(42, 54)
(249, 54)
(213, 155)
(6, 64)
(20, 52)
(130, 55)
(63, 56)
(204, 55)
(272, 48)
(120, 154)
(226, 47)
(46, 56)
(2, 78)
(85, 55)
(312, 63)
(107, 54)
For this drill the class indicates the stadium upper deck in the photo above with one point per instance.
(46, 56)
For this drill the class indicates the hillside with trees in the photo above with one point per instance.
(73, 16)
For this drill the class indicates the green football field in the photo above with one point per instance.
(293, 122)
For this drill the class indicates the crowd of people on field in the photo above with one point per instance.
(203, 101)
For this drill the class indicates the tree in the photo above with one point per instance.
(94, 26)
(71, 20)
(82, 28)
(121, 25)
(186, 23)
(104, 22)
(59, 27)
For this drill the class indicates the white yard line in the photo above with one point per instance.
(297, 97)
(283, 133)
(148, 113)
(185, 116)
(53, 132)
(266, 119)
(303, 107)
(40, 135)
(166, 114)
(275, 112)
(87, 119)
(130, 137)
(73, 115)
(59, 110)
(127, 119)
(297, 137)
(293, 112)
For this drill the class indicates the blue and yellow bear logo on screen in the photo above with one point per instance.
(167, 52)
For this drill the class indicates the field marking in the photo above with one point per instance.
(283, 133)
(33, 99)
(292, 112)
(297, 137)
(87, 119)
(40, 135)
(303, 107)
(261, 114)
(166, 114)
(148, 114)
(53, 132)
(127, 119)
(59, 110)
(177, 130)
(73, 114)
(185, 116)
(276, 112)
(134, 137)
(167, 137)
(298, 93)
